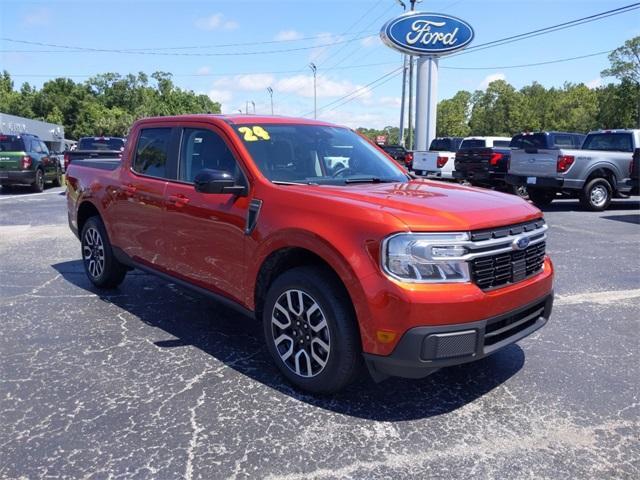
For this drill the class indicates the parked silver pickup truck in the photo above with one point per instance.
(594, 173)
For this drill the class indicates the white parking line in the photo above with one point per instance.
(601, 298)
(30, 195)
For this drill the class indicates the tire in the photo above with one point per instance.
(308, 311)
(541, 198)
(520, 190)
(100, 264)
(596, 195)
(57, 180)
(38, 184)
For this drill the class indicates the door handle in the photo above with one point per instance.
(128, 189)
(178, 200)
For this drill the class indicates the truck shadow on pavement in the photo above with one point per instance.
(237, 342)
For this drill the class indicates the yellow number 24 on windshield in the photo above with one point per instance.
(254, 134)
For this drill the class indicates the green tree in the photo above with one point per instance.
(499, 110)
(453, 115)
(625, 65)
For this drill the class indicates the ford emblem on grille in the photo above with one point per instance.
(520, 243)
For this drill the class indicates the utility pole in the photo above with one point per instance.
(270, 90)
(404, 88)
(314, 69)
(254, 106)
(246, 108)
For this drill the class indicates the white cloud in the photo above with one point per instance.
(217, 21)
(38, 17)
(248, 82)
(222, 96)
(203, 71)
(595, 83)
(491, 78)
(288, 35)
(302, 85)
(370, 41)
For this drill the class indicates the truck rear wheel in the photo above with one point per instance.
(100, 264)
(310, 330)
(38, 183)
(596, 195)
(541, 198)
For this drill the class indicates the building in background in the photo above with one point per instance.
(50, 133)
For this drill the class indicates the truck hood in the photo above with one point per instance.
(437, 206)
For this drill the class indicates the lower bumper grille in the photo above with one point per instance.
(501, 329)
(501, 269)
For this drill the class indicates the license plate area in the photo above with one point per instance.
(531, 180)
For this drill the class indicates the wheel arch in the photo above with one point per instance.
(305, 251)
(86, 210)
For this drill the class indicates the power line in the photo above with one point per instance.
(75, 49)
(523, 65)
(224, 74)
(550, 29)
(362, 93)
(359, 89)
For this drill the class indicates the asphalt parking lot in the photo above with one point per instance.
(152, 382)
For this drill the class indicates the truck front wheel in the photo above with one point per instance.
(311, 331)
(100, 264)
(596, 195)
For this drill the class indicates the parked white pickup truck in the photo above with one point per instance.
(439, 160)
(594, 173)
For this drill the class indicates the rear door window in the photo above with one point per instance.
(563, 141)
(617, 142)
(152, 151)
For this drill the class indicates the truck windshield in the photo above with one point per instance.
(11, 143)
(611, 141)
(316, 154)
(101, 143)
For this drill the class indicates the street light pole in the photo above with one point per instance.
(270, 90)
(314, 69)
(254, 106)
(404, 87)
(410, 122)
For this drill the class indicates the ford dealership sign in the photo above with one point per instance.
(418, 33)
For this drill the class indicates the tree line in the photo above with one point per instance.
(106, 104)
(503, 110)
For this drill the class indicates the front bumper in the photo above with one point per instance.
(21, 177)
(423, 350)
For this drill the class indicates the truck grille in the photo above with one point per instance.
(496, 262)
(497, 270)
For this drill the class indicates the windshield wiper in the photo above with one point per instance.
(369, 180)
(282, 182)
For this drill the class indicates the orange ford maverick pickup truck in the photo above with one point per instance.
(345, 259)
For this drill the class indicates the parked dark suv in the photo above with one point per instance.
(25, 160)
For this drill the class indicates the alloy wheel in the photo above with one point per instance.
(300, 333)
(93, 252)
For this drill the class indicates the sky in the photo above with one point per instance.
(233, 50)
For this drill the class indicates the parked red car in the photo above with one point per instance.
(345, 263)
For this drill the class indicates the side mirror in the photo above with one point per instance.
(217, 181)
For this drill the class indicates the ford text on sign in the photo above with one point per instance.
(420, 33)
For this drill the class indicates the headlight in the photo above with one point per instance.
(426, 257)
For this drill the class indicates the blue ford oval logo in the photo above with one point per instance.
(521, 243)
(420, 33)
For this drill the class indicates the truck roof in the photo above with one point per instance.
(240, 119)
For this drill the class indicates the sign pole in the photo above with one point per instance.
(426, 101)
